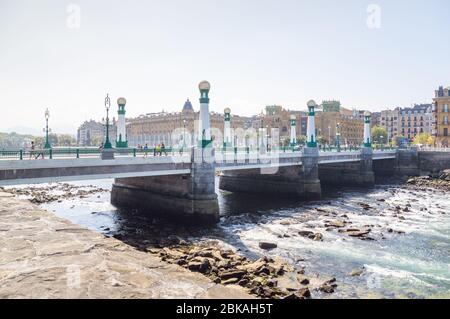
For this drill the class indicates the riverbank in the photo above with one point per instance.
(390, 241)
(44, 256)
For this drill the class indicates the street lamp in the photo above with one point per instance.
(329, 135)
(338, 137)
(107, 144)
(47, 130)
(184, 133)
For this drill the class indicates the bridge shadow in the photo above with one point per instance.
(145, 229)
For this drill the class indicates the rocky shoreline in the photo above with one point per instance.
(54, 192)
(265, 278)
(439, 181)
(44, 256)
(269, 276)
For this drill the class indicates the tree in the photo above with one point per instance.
(321, 140)
(423, 139)
(301, 139)
(379, 135)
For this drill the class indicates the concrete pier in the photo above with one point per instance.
(357, 174)
(407, 162)
(293, 181)
(190, 197)
(43, 256)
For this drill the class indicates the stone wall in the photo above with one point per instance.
(433, 162)
(189, 197)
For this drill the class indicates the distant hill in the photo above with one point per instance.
(24, 130)
(14, 140)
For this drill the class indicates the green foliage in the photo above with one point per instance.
(424, 139)
(379, 135)
(16, 141)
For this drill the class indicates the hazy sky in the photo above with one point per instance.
(254, 53)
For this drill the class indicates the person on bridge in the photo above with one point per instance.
(158, 150)
(32, 149)
(163, 149)
(146, 150)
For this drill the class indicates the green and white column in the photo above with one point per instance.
(204, 133)
(367, 137)
(311, 126)
(293, 141)
(121, 140)
(227, 138)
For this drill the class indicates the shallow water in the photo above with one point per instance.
(413, 264)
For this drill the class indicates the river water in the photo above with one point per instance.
(406, 255)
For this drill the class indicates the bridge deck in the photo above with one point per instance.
(27, 171)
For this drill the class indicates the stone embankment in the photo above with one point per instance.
(54, 192)
(265, 278)
(439, 181)
(43, 256)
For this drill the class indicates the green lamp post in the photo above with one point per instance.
(338, 137)
(47, 130)
(107, 144)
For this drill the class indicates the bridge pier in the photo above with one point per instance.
(189, 197)
(357, 174)
(299, 181)
(407, 162)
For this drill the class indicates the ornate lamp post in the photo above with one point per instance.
(293, 140)
(227, 128)
(122, 141)
(184, 133)
(338, 137)
(204, 127)
(107, 144)
(311, 141)
(367, 137)
(47, 130)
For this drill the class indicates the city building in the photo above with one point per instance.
(92, 133)
(334, 120)
(276, 117)
(178, 128)
(441, 106)
(407, 122)
(389, 120)
(415, 120)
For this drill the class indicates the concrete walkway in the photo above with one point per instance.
(43, 256)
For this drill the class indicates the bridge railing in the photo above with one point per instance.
(73, 152)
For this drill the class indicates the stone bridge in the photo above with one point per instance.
(183, 185)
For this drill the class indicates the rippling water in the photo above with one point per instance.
(413, 264)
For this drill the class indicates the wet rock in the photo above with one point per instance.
(356, 272)
(336, 223)
(303, 279)
(318, 237)
(267, 245)
(302, 293)
(238, 274)
(306, 233)
(326, 288)
(365, 206)
(203, 266)
(357, 233)
(230, 281)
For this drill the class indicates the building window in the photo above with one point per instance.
(445, 131)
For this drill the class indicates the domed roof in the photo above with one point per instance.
(188, 106)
